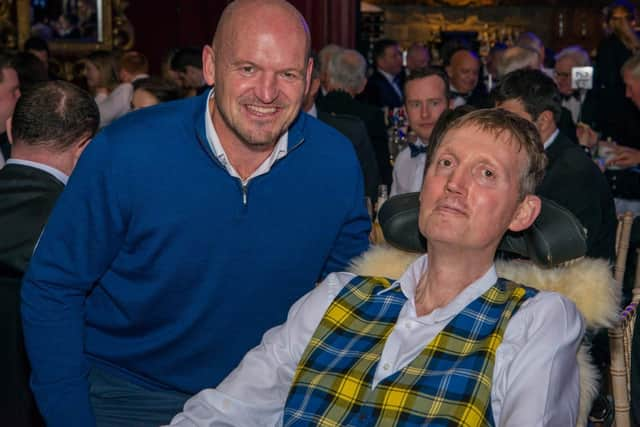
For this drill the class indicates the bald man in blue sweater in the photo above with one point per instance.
(187, 231)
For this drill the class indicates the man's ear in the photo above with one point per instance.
(447, 69)
(545, 121)
(8, 124)
(308, 73)
(526, 213)
(209, 64)
(79, 146)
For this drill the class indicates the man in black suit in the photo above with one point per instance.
(346, 78)
(384, 87)
(463, 69)
(9, 94)
(50, 127)
(571, 178)
(350, 126)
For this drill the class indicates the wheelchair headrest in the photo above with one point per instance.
(555, 237)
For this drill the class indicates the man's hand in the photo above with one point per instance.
(625, 157)
(586, 136)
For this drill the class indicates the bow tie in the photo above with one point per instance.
(417, 149)
(455, 94)
(575, 94)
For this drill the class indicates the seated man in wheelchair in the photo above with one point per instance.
(449, 342)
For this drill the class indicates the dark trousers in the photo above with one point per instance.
(119, 403)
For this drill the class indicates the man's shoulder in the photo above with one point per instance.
(14, 177)
(315, 131)
(342, 121)
(569, 157)
(377, 78)
(163, 119)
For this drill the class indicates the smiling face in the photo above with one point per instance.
(471, 192)
(260, 76)
(425, 100)
(463, 71)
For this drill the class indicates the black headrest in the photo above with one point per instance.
(555, 237)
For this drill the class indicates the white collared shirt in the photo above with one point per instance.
(57, 174)
(535, 378)
(457, 99)
(551, 138)
(408, 172)
(279, 151)
(313, 111)
(117, 103)
(574, 105)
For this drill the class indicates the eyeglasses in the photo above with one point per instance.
(563, 75)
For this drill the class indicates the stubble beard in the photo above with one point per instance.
(246, 138)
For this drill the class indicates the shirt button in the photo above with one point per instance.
(386, 366)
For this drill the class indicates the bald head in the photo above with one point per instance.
(260, 67)
(241, 15)
(463, 70)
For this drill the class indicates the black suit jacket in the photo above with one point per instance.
(27, 196)
(354, 129)
(575, 182)
(5, 146)
(339, 102)
(380, 92)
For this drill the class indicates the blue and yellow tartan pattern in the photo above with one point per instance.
(448, 384)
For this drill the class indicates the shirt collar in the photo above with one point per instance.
(313, 111)
(140, 77)
(409, 280)
(387, 76)
(552, 138)
(279, 151)
(57, 174)
(452, 89)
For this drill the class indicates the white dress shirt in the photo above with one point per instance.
(56, 173)
(117, 103)
(535, 378)
(408, 172)
(551, 139)
(279, 151)
(574, 105)
(457, 100)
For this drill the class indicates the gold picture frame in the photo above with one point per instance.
(113, 29)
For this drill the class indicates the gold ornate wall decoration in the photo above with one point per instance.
(114, 30)
(123, 33)
(460, 3)
(8, 29)
(427, 28)
(436, 3)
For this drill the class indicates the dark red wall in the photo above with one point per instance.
(160, 26)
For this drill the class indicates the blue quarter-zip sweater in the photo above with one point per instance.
(154, 267)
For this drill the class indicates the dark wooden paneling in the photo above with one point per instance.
(174, 23)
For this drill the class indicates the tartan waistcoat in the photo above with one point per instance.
(447, 384)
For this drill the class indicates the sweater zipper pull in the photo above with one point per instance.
(244, 194)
